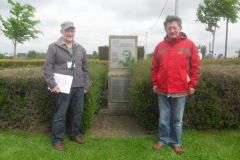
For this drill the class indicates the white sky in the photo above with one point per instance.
(95, 20)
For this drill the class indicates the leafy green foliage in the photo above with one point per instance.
(203, 49)
(140, 52)
(13, 98)
(31, 54)
(40, 56)
(9, 57)
(20, 26)
(143, 99)
(93, 98)
(215, 103)
(220, 62)
(103, 52)
(211, 12)
(2, 56)
(93, 56)
(151, 55)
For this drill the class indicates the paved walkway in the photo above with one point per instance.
(107, 124)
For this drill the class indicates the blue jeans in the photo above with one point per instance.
(73, 101)
(170, 119)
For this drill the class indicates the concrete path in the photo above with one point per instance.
(109, 124)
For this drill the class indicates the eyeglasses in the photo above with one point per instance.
(70, 30)
(170, 29)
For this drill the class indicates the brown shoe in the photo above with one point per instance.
(157, 146)
(178, 149)
(59, 147)
(79, 140)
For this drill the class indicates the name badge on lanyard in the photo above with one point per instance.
(71, 64)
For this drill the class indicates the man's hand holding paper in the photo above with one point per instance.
(56, 89)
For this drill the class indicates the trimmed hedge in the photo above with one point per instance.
(98, 76)
(103, 52)
(140, 52)
(215, 104)
(9, 63)
(142, 97)
(27, 104)
(220, 61)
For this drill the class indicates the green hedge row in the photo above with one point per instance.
(221, 61)
(27, 104)
(140, 52)
(103, 52)
(215, 104)
(98, 77)
(9, 63)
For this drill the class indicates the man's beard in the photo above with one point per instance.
(69, 40)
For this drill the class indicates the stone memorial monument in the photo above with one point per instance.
(122, 53)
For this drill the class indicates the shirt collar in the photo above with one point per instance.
(65, 43)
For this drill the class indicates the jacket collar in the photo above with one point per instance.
(59, 42)
(173, 41)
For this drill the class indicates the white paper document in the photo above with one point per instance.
(64, 82)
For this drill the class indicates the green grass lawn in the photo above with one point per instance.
(207, 145)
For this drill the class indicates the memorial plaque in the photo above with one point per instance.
(120, 89)
(122, 52)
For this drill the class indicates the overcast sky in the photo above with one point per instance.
(95, 20)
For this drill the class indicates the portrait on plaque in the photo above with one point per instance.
(122, 53)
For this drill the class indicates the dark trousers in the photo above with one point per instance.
(73, 100)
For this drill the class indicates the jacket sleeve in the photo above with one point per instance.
(48, 67)
(194, 67)
(85, 70)
(155, 67)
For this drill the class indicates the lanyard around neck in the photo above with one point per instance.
(71, 54)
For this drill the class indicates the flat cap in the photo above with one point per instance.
(66, 25)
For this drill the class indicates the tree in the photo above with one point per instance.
(31, 54)
(20, 27)
(95, 55)
(203, 49)
(238, 53)
(150, 55)
(41, 56)
(2, 56)
(211, 11)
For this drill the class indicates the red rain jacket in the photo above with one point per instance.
(175, 65)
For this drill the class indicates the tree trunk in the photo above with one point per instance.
(15, 45)
(213, 41)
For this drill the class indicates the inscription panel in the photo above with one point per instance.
(120, 89)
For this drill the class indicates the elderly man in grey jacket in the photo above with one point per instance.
(67, 57)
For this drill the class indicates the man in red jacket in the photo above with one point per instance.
(175, 73)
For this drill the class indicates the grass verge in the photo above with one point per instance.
(211, 144)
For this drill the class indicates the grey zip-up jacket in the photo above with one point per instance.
(56, 62)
